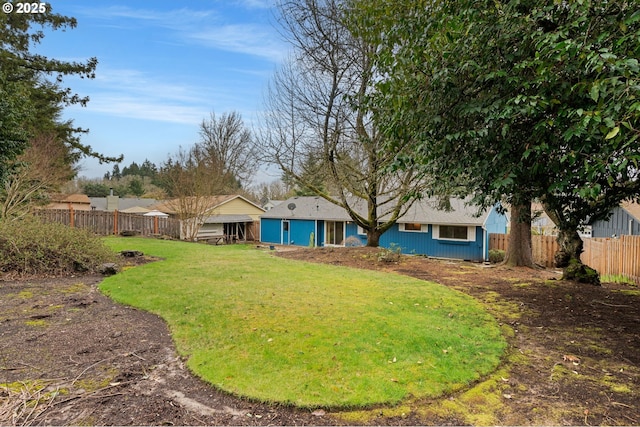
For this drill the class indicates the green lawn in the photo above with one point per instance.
(307, 334)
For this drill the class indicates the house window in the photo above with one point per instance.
(454, 232)
(414, 226)
(285, 225)
(334, 233)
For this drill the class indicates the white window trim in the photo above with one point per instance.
(471, 233)
(424, 228)
(361, 231)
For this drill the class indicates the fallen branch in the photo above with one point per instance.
(611, 305)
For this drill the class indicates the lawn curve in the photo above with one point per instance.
(305, 334)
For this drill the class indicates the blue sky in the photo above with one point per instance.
(164, 66)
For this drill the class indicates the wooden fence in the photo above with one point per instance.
(543, 247)
(106, 223)
(620, 256)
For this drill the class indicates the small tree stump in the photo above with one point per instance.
(109, 269)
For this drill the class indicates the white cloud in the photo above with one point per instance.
(204, 27)
(242, 38)
(145, 109)
(256, 4)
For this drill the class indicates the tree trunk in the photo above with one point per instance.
(519, 251)
(570, 247)
(373, 238)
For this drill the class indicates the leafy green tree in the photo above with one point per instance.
(148, 169)
(13, 136)
(31, 87)
(94, 189)
(136, 187)
(132, 169)
(515, 100)
(115, 172)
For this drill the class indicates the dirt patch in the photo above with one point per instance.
(69, 355)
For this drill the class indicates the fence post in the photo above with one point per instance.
(72, 217)
(155, 225)
(115, 222)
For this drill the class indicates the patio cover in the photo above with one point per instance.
(227, 219)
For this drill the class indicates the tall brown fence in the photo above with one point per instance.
(543, 248)
(106, 223)
(620, 256)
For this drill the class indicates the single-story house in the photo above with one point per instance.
(78, 202)
(624, 220)
(457, 233)
(122, 204)
(227, 218)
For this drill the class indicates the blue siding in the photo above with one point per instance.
(271, 230)
(300, 231)
(320, 233)
(618, 224)
(496, 223)
(410, 242)
(425, 244)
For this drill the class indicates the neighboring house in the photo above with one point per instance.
(424, 230)
(228, 218)
(121, 204)
(139, 210)
(541, 223)
(625, 220)
(78, 202)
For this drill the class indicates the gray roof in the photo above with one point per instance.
(227, 219)
(100, 203)
(308, 207)
(428, 211)
(424, 211)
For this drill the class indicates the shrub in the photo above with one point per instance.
(390, 255)
(30, 246)
(496, 256)
(353, 242)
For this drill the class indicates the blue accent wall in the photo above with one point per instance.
(421, 243)
(320, 233)
(271, 230)
(496, 222)
(300, 231)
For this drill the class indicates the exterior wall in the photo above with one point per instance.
(320, 233)
(496, 223)
(299, 232)
(271, 230)
(618, 224)
(67, 205)
(210, 230)
(422, 243)
(238, 207)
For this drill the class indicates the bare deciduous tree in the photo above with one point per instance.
(227, 141)
(222, 159)
(316, 127)
(43, 167)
